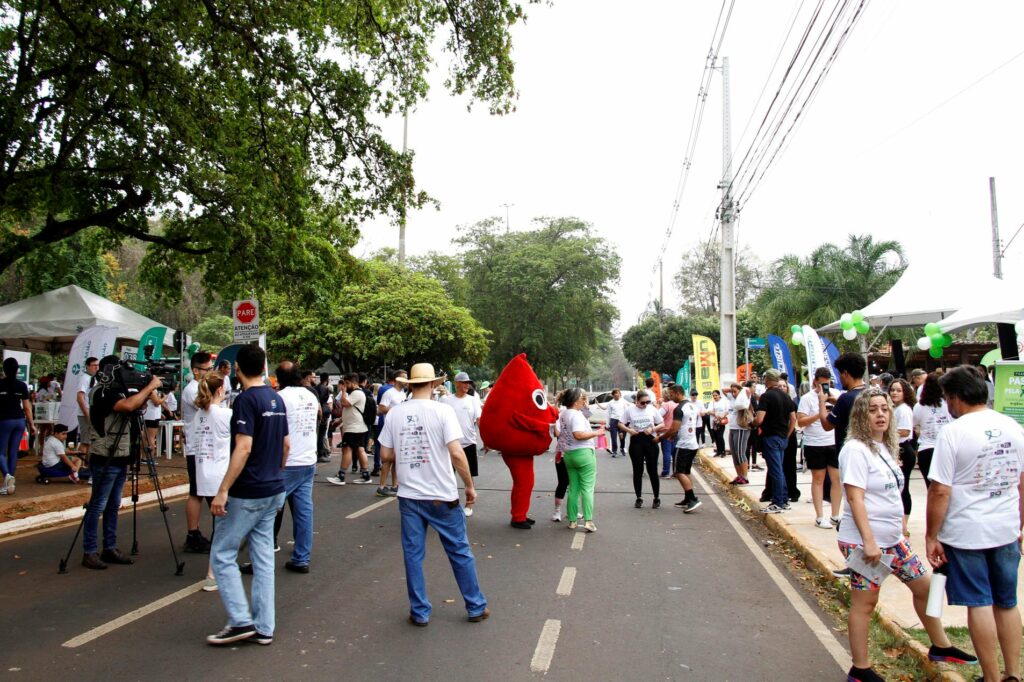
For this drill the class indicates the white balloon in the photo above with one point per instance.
(1020, 328)
(846, 317)
(849, 334)
(798, 339)
(924, 343)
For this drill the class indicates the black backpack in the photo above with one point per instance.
(369, 410)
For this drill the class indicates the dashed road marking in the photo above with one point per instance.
(813, 620)
(367, 510)
(133, 616)
(577, 540)
(564, 588)
(545, 650)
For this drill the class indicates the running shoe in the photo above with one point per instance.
(639, 503)
(823, 523)
(656, 504)
(262, 639)
(841, 572)
(772, 509)
(834, 520)
(382, 491)
(591, 528)
(364, 479)
(468, 511)
(210, 585)
(950, 654)
(681, 503)
(863, 675)
(230, 634)
(337, 480)
(692, 505)
(557, 515)
(9, 484)
(572, 525)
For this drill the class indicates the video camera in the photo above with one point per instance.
(124, 373)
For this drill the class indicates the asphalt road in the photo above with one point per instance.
(656, 595)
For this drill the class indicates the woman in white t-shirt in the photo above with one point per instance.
(576, 442)
(211, 432)
(903, 400)
(930, 415)
(872, 528)
(641, 422)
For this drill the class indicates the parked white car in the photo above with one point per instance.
(598, 405)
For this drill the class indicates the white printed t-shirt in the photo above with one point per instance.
(570, 421)
(641, 418)
(981, 457)
(905, 421)
(211, 446)
(880, 478)
(467, 409)
(814, 434)
(419, 432)
(930, 420)
(302, 408)
(686, 437)
(188, 412)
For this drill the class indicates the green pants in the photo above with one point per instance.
(582, 467)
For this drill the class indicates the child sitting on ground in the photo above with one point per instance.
(56, 462)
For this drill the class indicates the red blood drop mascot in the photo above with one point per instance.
(516, 421)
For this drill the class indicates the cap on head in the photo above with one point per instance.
(772, 375)
(462, 376)
(694, 391)
(421, 373)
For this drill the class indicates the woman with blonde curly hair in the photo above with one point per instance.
(872, 527)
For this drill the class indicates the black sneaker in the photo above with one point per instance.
(260, 638)
(296, 568)
(196, 543)
(692, 505)
(950, 654)
(246, 568)
(681, 503)
(364, 479)
(521, 525)
(841, 572)
(863, 675)
(657, 503)
(230, 634)
(639, 503)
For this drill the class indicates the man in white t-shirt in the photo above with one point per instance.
(683, 431)
(354, 431)
(85, 381)
(421, 437)
(202, 363)
(820, 448)
(975, 515)
(388, 396)
(303, 410)
(616, 410)
(467, 408)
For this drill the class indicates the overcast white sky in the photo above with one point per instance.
(607, 92)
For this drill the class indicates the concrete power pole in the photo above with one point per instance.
(727, 347)
(997, 251)
(401, 218)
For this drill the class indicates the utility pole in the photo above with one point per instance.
(401, 217)
(997, 252)
(726, 214)
(661, 290)
(506, 207)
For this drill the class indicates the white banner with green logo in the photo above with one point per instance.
(95, 342)
(1009, 398)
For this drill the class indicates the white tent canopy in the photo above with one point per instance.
(923, 294)
(50, 322)
(999, 301)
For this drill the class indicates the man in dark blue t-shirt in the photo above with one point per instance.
(247, 502)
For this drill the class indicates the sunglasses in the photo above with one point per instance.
(645, 402)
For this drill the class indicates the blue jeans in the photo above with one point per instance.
(107, 486)
(450, 524)
(613, 435)
(253, 519)
(11, 431)
(773, 448)
(667, 449)
(298, 490)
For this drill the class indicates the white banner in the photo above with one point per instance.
(24, 363)
(95, 342)
(815, 352)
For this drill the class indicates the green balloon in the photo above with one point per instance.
(937, 341)
(947, 340)
(931, 328)
(857, 316)
(845, 324)
(935, 352)
(796, 329)
(863, 327)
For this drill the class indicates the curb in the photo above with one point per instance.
(39, 521)
(822, 564)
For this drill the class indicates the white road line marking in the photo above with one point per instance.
(822, 631)
(545, 650)
(577, 540)
(133, 616)
(564, 588)
(367, 510)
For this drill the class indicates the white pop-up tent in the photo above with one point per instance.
(922, 294)
(50, 322)
(1000, 301)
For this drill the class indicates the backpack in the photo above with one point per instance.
(369, 410)
(337, 408)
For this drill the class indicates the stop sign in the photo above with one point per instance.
(245, 313)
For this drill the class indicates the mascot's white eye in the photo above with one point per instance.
(540, 400)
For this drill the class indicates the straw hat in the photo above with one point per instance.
(421, 373)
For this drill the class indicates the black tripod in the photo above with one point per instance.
(136, 424)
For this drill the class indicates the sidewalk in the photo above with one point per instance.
(798, 523)
(36, 505)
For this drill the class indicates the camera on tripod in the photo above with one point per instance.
(168, 369)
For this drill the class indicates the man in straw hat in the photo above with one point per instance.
(421, 437)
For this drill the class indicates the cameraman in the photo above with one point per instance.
(110, 409)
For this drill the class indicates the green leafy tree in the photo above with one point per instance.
(250, 128)
(385, 316)
(543, 292)
(78, 260)
(665, 343)
(214, 332)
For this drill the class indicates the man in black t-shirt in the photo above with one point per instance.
(851, 368)
(247, 502)
(776, 416)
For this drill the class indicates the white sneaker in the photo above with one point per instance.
(823, 522)
(557, 516)
(591, 528)
(468, 511)
(9, 484)
(579, 516)
(210, 585)
(334, 480)
(835, 520)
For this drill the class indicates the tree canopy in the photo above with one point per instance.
(249, 128)
(543, 292)
(699, 279)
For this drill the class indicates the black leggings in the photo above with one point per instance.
(908, 459)
(644, 452)
(924, 460)
(563, 479)
(718, 436)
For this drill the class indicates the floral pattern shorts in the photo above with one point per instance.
(905, 565)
